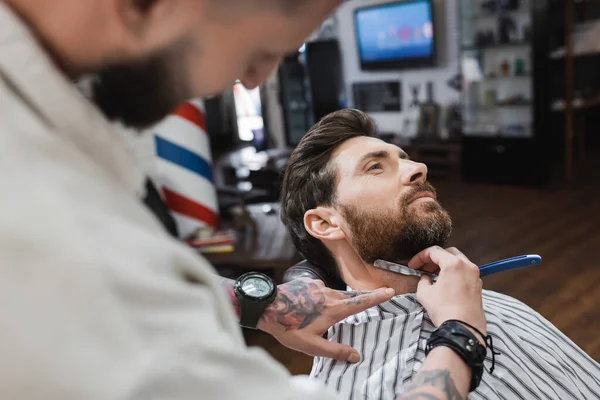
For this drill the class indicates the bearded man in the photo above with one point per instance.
(348, 199)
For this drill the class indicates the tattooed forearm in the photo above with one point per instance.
(297, 305)
(432, 385)
(228, 287)
(420, 396)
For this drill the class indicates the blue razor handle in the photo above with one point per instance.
(528, 260)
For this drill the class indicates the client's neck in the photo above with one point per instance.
(360, 275)
(355, 272)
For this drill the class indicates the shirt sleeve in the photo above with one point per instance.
(209, 363)
(195, 347)
(196, 371)
(79, 325)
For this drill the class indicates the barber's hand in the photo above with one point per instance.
(305, 309)
(457, 292)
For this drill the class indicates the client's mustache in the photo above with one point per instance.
(417, 189)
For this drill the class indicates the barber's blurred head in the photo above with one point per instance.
(151, 55)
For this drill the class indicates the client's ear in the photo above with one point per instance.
(323, 223)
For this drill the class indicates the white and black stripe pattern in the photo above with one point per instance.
(536, 360)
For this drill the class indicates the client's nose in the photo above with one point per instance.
(414, 172)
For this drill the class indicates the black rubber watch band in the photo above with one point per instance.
(250, 312)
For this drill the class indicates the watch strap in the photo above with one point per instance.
(454, 335)
(250, 311)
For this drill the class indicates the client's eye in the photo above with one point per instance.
(374, 167)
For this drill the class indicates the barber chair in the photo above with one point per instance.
(305, 269)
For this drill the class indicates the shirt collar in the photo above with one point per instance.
(402, 304)
(26, 66)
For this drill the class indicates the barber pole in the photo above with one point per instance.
(185, 168)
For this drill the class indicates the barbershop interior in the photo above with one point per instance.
(499, 99)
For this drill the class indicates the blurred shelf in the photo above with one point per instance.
(443, 158)
(523, 104)
(499, 105)
(501, 77)
(526, 134)
(578, 104)
(493, 14)
(584, 40)
(523, 130)
(559, 53)
(493, 46)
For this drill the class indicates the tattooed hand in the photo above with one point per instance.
(305, 309)
(432, 385)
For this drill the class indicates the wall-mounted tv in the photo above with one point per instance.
(397, 35)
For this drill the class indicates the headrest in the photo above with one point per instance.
(305, 269)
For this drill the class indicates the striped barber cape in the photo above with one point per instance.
(536, 360)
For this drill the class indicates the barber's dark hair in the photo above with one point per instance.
(310, 179)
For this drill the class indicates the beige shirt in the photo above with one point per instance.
(94, 300)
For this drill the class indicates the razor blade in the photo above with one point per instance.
(508, 264)
(402, 269)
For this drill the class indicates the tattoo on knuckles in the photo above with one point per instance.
(354, 301)
(352, 294)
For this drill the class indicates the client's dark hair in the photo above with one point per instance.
(309, 179)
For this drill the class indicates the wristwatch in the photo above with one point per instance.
(254, 292)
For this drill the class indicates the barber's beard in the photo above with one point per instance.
(399, 234)
(139, 94)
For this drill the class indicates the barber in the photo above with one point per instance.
(98, 302)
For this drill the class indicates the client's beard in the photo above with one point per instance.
(141, 93)
(398, 235)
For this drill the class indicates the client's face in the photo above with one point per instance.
(389, 211)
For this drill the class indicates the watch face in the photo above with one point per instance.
(256, 286)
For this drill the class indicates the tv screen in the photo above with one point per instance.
(396, 36)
